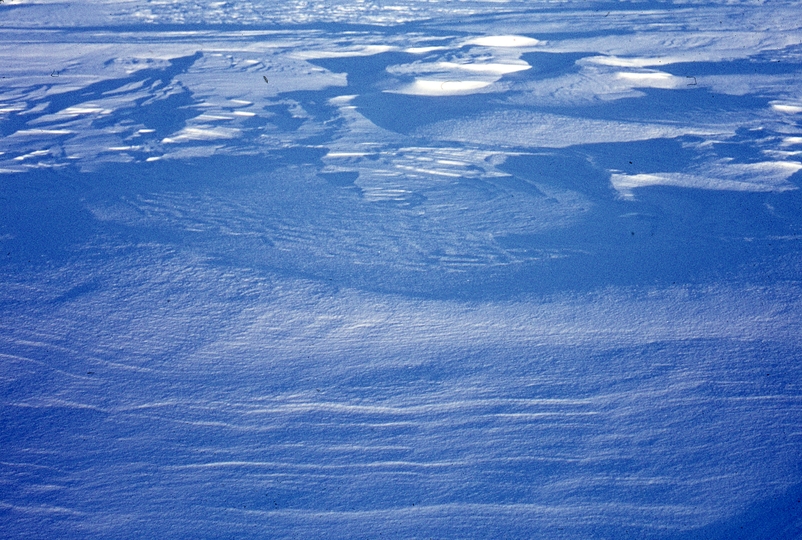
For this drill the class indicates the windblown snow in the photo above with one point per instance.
(357, 268)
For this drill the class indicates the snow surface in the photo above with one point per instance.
(401, 269)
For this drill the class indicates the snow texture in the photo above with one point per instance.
(401, 269)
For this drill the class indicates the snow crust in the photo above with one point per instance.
(356, 268)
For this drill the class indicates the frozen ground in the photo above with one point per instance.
(401, 269)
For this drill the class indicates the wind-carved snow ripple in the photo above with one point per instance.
(317, 441)
(411, 209)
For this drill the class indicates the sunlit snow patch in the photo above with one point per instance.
(791, 108)
(368, 50)
(444, 78)
(424, 50)
(424, 87)
(44, 132)
(36, 153)
(85, 109)
(528, 129)
(651, 79)
(764, 176)
(199, 134)
(636, 62)
(497, 68)
(505, 41)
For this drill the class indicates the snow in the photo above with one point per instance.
(368, 268)
(505, 41)
(422, 87)
(763, 176)
(787, 108)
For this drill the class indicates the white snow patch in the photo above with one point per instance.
(85, 110)
(35, 153)
(424, 87)
(496, 68)
(505, 41)
(202, 134)
(212, 117)
(424, 50)
(651, 79)
(342, 100)
(616, 61)
(368, 50)
(347, 154)
(790, 108)
(43, 132)
(761, 177)
(528, 129)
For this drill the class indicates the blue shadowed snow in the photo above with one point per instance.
(458, 270)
